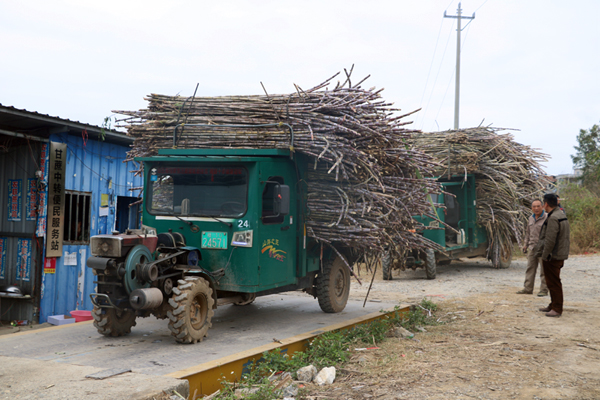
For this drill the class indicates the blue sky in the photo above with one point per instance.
(529, 65)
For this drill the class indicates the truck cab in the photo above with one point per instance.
(236, 210)
(459, 235)
(229, 225)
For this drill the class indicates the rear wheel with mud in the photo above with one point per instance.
(333, 286)
(386, 266)
(430, 265)
(191, 310)
(113, 321)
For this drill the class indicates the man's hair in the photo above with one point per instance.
(535, 201)
(551, 199)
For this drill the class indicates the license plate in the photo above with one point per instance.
(214, 240)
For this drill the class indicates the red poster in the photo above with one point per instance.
(50, 265)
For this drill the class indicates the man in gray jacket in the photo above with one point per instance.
(532, 235)
(553, 247)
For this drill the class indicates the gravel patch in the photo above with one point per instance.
(475, 276)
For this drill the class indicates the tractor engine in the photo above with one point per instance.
(141, 273)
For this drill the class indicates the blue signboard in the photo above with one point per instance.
(40, 230)
(23, 259)
(14, 199)
(31, 200)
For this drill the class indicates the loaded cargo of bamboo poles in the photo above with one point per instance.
(362, 185)
(509, 175)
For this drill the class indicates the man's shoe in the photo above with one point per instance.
(542, 294)
(523, 291)
(552, 313)
(545, 309)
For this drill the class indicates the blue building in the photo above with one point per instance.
(97, 195)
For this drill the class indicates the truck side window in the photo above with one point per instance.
(162, 193)
(452, 211)
(268, 214)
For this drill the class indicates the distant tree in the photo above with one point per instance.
(587, 157)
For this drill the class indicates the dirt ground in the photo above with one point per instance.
(494, 344)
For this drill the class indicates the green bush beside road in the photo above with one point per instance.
(582, 205)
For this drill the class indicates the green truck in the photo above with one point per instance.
(220, 226)
(461, 237)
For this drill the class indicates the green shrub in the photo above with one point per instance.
(326, 350)
(583, 211)
(420, 315)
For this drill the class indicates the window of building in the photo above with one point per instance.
(78, 207)
(128, 215)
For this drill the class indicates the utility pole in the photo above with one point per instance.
(457, 82)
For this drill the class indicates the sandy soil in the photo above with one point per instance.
(494, 343)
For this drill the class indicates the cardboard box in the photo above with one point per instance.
(60, 320)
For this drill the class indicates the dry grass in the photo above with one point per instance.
(492, 346)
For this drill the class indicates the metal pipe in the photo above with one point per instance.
(22, 135)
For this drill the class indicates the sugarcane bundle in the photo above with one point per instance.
(362, 185)
(509, 175)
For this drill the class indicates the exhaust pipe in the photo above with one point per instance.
(146, 299)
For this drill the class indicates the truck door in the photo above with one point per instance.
(277, 243)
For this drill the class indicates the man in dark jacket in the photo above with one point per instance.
(553, 248)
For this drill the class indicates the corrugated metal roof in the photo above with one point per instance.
(40, 125)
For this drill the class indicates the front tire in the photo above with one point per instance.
(191, 310)
(430, 266)
(333, 286)
(113, 322)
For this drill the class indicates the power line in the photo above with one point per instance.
(436, 77)
(477, 9)
(433, 58)
(431, 64)
(448, 6)
(450, 81)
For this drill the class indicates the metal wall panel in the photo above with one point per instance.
(96, 167)
(18, 162)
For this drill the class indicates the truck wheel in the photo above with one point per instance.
(430, 264)
(247, 298)
(386, 265)
(191, 310)
(501, 255)
(113, 322)
(333, 286)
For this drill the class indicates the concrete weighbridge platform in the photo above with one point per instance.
(52, 363)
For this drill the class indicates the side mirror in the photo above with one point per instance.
(281, 200)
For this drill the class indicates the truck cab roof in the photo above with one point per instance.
(183, 153)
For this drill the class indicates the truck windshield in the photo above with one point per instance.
(207, 191)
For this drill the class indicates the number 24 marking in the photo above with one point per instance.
(243, 224)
